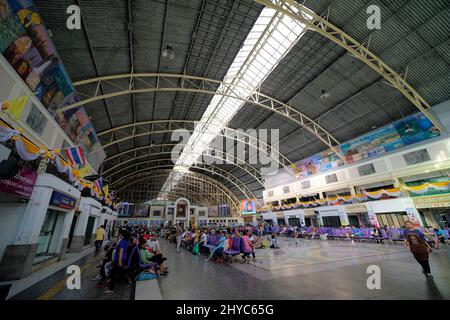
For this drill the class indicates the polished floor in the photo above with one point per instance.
(302, 269)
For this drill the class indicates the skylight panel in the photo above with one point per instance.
(270, 39)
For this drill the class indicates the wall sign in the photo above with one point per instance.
(439, 201)
(21, 184)
(63, 201)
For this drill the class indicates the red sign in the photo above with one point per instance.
(21, 184)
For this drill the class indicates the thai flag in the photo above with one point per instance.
(99, 184)
(75, 155)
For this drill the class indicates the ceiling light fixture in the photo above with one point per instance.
(168, 52)
(325, 94)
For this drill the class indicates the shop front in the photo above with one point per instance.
(295, 217)
(393, 212)
(357, 214)
(332, 216)
(435, 209)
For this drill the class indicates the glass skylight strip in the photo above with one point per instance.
(271, 38)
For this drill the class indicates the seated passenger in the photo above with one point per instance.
(313, 232)
(248, 247)
(217, 250)
(153, 247)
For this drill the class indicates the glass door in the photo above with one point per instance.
(46, 234)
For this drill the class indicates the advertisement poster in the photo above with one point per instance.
(372, 144)
(26, 45)
(248, 206)
(142, 210)
(320, 162)
(21, 184)
(409, 130)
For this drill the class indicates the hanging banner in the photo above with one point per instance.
(27, 46)
(20, 184)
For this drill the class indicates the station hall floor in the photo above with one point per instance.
(302, 269)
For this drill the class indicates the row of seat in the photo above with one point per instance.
(394, 234)
(236, 248)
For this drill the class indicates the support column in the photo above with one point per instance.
(80, 230)
(18, 258)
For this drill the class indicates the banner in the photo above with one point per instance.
(409, 130)
(26, 45)
(21, 184)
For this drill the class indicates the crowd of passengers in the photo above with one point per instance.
(136, 251)
(433, 235)
(223, 246)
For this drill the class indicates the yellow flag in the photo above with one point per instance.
(106, 190)
(84, 171)
(16, 106)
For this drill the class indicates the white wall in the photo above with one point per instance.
(389, 166)
(11, 214)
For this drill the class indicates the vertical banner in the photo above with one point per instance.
(373, 218)
(414, 217)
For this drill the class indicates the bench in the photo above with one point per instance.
(147, 290)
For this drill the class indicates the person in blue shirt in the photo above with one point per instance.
(418, 245)
(217, 250)
(119, 261)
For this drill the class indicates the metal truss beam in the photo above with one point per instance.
(164, 126)
(246, 192)
(356, 49)
(228, 159)
(195, 184)
(165, 82)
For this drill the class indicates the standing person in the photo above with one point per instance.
(119, 260)
(178, 234)
(418, 246)
(203, 241)
(99, 237)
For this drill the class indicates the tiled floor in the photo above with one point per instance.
(314, 270)
(306, 270)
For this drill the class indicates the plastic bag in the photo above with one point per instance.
(145, 276)
(195, 249)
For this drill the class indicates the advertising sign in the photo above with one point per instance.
(63, 201)
(21, 184)
(248, 206)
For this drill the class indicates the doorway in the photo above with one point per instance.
(72, 229)
(89, 230)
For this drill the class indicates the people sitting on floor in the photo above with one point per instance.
(275, 243)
